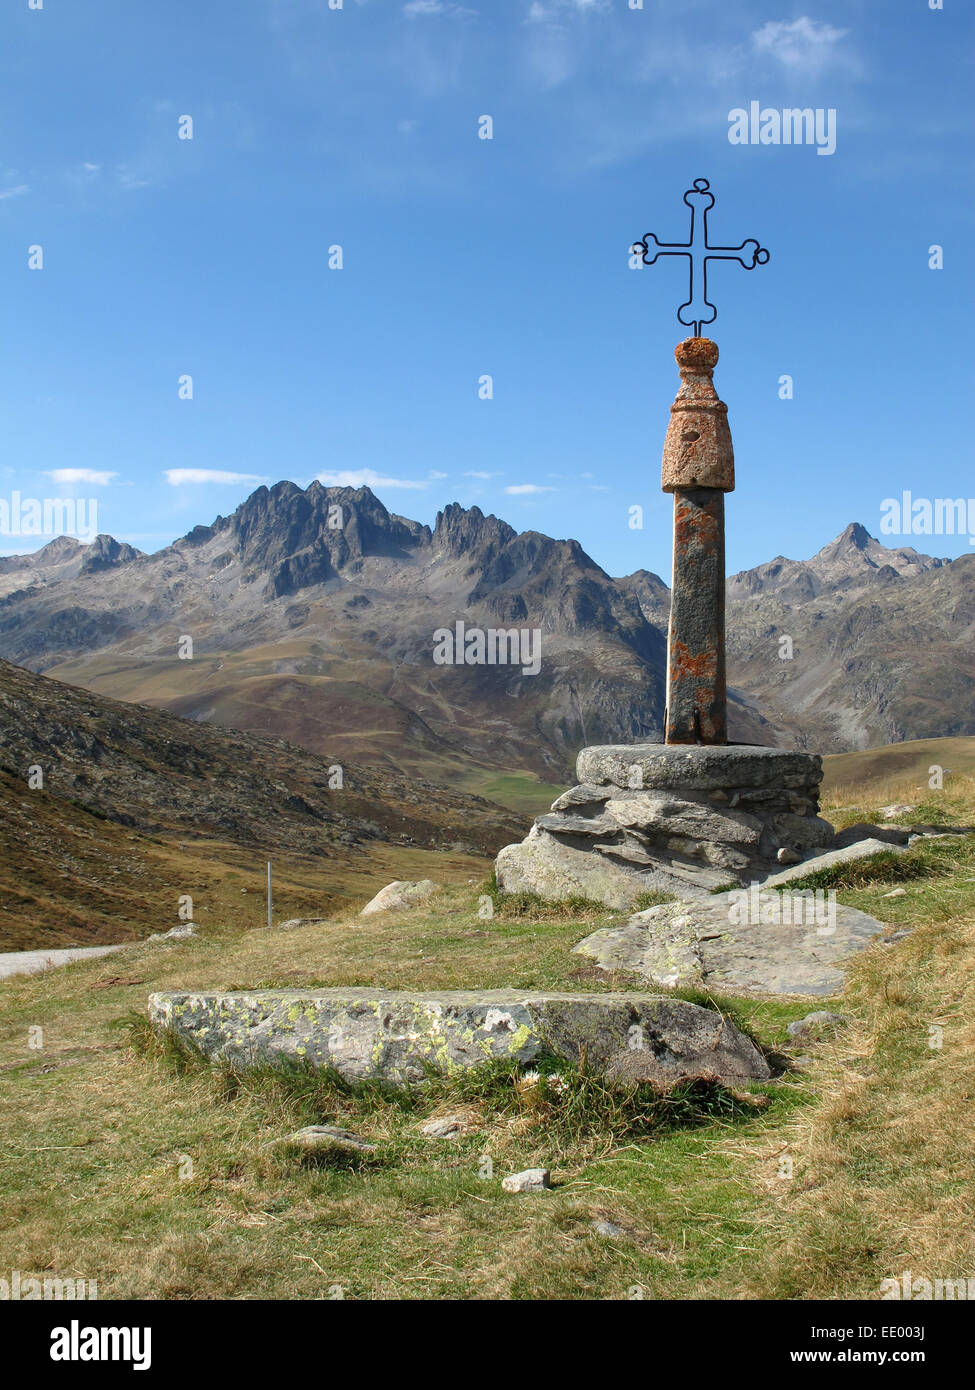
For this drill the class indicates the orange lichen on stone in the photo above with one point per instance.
(698, 450)
(698, 665)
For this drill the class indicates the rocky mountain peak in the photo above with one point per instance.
(302, 536)
(853, 558)
(105, 552)
(856, 536)
(59, 550)
(855, 551)
(467, 531)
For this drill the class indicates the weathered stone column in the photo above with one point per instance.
(698, 468)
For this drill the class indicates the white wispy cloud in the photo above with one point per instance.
(803, 43)
(527, 489)
(176, 477)
(477, 473)
(16, 191)
(367, 477)
(423, 9)
(556, 42)
(544, 11)
(129, 179)
(99, 477)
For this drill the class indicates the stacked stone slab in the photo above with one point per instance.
(670, 817)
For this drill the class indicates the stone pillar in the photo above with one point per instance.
(698, 468)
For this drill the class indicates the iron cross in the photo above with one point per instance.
(698, 250)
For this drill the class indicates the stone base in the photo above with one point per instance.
(373, 1033)
(678, 818)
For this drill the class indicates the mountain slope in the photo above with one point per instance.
(882, 643)
(313, 616)
(138, 807)
(325, 633)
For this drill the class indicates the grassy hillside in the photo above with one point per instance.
(174, 1180)
(70, 877)
(139, 808)
(897, 768)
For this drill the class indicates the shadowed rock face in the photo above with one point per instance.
(368, 1033)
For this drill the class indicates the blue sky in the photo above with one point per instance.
(358, 127)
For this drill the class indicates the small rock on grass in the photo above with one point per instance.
(180, 933)
(530, 1180)
(399, 894)
(293, 923)
(814, 1021)
(446, 1126)
(896, 893)
(607, 1228)
(330, 1137)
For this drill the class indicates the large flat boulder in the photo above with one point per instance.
(397, 1036)
(746, 942)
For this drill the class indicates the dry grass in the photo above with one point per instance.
(94, 1182)
(94, 1178)
(953, 804)
(884, 1169)
(882, 774)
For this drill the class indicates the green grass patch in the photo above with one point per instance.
(176, 1178)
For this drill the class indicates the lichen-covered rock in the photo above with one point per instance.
(816, 1022)
(369, 1033)
(181, 933)
(296, 923)
(399, 894)
(744, 942)
(449, 1126)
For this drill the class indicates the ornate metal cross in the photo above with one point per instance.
(698, 468)
(698, 311)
